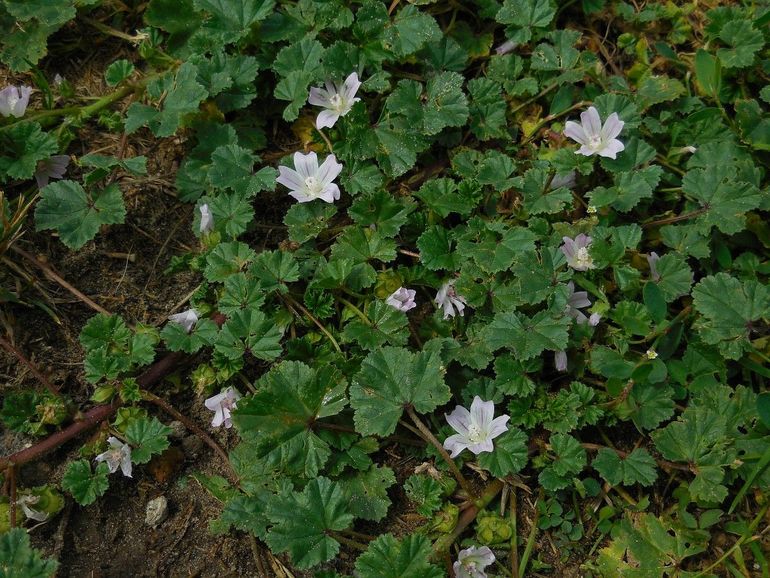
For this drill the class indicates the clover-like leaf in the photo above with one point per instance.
(77, 215)
(392, 378)
(147, 437)
(387, 557)
(18, 559)
(280, 416)
(302, 522)
(84, 484)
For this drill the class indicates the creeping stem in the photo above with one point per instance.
(426, 433)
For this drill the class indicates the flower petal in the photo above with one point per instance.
(329, 170)
(350, 86)
(612, 149)
(498, 426)
(459, 419)
(591, 121)
(326, 118)
(290, 178)
(482, 413)
(306, 165)
(574, 131)
(455, 444)
(318, 97)
(330, 193)
(612, 127)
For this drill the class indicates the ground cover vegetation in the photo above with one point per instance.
(517, 324)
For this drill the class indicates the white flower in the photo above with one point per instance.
(576, 252)
(472, 561)
(575, 301)
(560, 360)
(402, 299)
(51, 168)
(58, 79)
(186, 319)
(505, 47)
(14, 100)
(207, 219)
(475, 428)
(119, 455)
(448, 299)
(595, 138)
(309, 181)
(651, 354)
(591, 209)
(336, 99)
(652, 261)
(593, 321)
(28, 500)
(222, 404)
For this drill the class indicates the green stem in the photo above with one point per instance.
(531, 538)
(535, 98)
(514, 537)
(317, 323)
(551, 117)
(356, 310)
(428, 436)
(347, 541)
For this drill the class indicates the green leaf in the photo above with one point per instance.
(729, 307)
(410, 31)
(675, 276)
(26, 144)
(528, 336)
(387, 557)
(307, 220)
(18, 559)
(279, 417)
(228, 259)
(724, 198)
(637, 467)
(85, 485)
(181, 94)
(249, 331)
(539, 195)
(301, 522)
(570, 459)
(445, 105)
(232, 19)
(763, 408)
(231, 168)
(147, 437)
(389, 379)
(362, 245)
(118, 71)
(275, 269)
(23, 47)
(76, 215)
(172, 15)
(388, 325)
(49, 12)
(487, 109)
(425, 492)
(526, 14)
(744, 41)
(509, 456)
(367, 493)
(708, 72)
(435, 246)
(382, 211)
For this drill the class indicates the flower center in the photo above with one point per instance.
(313, 186)
(595, 141)
(474, 433)
(583, 258)
(13, 100)
(336, 102)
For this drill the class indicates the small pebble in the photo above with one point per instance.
(157, 510)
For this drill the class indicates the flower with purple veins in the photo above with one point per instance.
(475, 428)
(207, 219)
(14, 100)
(51, 168)
(575, 301)
(118, 456)
(186, 319)
(307, 181)
(576, 252)
(472, 561)
(594, 320)
(402, 299)
(448, 300)
(336, 99)
(222, 404)
(652, 261)
(594, 138)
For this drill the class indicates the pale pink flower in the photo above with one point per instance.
(51, 168)
(594, 320)
(472, 561)
(594, 138)
(575, 301)
(475, 428)
(652, 261)
(14, 100)
(560, 360)
(505, 47)
(336, 99)
(576, 252)
(448, 300)
(207, 219)
(402, 299)
(309, 181)
(222, 404)
(118, 456)
(186, 319)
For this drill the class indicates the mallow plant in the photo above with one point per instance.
(503, 321)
